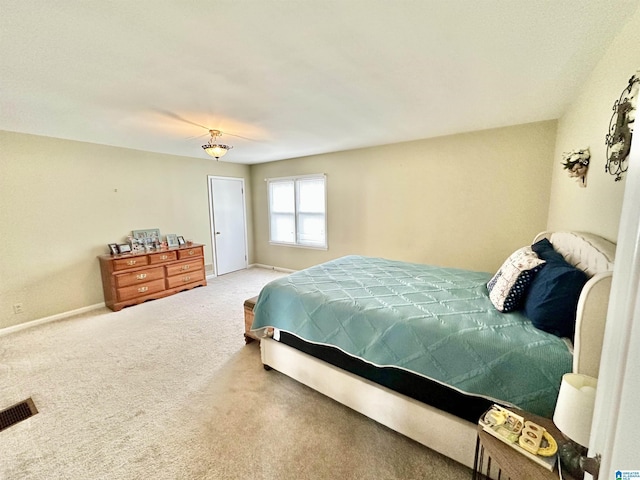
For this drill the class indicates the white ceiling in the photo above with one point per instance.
(295, 77)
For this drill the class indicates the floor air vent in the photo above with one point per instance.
(19, 412)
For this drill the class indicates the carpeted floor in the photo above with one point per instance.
(168, 390)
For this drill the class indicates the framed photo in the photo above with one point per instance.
(181, 240)
(124, 248)
(172, 240)
(113, 249)
(146, 237)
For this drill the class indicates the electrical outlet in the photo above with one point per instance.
(18, 308)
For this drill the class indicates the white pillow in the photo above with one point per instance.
(508, 286)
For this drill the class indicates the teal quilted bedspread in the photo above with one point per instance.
(436, 322)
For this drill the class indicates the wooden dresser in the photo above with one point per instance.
(130, 279)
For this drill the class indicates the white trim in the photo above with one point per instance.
(211, 225)
(210, 179)
(271, 267)
(52, 318)
(295, 177)
(616, 421)
(296, 245)
(294, 180)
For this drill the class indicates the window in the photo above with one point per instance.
(297, 211)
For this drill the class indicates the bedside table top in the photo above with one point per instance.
(512, 463)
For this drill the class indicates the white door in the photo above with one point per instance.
(228, 225)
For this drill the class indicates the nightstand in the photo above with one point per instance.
(496, 459)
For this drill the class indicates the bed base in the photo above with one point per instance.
(433, 428)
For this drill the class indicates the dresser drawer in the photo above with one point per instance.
(127, 293)
(185, 278)
(162, 257)
(130, 262)
(140, 276)
(185, 267)
(190, 252)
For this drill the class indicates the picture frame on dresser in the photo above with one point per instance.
(145, 238)
(113, 249)
(124, 248)
(149, 233)
(172, 240)
(181, 241)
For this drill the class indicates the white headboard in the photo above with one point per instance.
(595, 256)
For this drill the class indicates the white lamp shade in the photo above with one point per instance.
(574, 408)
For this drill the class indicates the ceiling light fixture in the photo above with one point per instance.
(215, 149)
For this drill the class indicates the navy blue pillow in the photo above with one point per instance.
(544, 249)
(552, 298)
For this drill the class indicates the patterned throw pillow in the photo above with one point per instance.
(509, 285)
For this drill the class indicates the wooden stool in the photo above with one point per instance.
(249, 336)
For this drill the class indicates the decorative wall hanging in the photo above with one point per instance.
(577, 162)
(618, 139)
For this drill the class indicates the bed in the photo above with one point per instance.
(344, 329)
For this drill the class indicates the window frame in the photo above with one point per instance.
(294, 179)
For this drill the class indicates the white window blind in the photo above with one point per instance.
(297, 211)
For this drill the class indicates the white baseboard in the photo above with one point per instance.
(271, 267)
(212, 275)
(52, 318)
(60, 316)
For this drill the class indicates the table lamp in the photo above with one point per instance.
(573, 415)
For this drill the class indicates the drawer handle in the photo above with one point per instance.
(186, 279)
(141, 276)
(164, 257)
(143, 289)
(185, 267)
(191, 252)
(131, 262)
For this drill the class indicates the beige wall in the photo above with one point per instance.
(59, 209)
(465, 200)
(585, 124)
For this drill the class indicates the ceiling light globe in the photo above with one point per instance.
(216, 150)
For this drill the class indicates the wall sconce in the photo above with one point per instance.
(618, 140)
(577, 162)
(573, 415)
